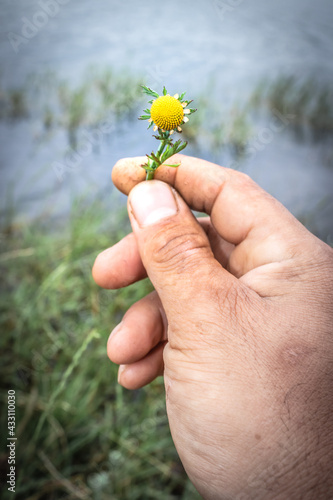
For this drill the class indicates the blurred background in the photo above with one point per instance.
(260, 74)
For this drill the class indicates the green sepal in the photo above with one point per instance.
(164, 91)
(187, 103)
(182, 96)
(144, 117)
(160, 137)
(147, 111)
(150, 125)
(174, 166)
(149, 91)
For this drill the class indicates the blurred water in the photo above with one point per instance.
(184, 44)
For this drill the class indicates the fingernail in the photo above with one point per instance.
(121, 370)
(152, 201)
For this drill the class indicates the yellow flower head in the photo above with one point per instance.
(167, 112)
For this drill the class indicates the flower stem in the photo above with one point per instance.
(161, 147)
(163, 144)
(149, 175)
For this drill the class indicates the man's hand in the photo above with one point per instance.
(240, 323)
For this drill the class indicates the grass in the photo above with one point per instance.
(308, 105)
(106, 94)
(79, 434)
(309, 101)
(218, 130)
(103, 94)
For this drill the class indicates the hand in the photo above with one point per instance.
(240, 324)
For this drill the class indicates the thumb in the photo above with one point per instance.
(176, 254)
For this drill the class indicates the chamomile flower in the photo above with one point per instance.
(166, 115)
(167, 112)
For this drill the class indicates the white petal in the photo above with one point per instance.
(176, 96)
(171, 132)
(179, 129)
(155, 128)
(184, 104)
(187, 111)
(150, 120)
(185, 119)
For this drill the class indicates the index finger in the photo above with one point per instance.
(241, 212)
(198, 181)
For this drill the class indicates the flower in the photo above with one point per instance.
(167, 113)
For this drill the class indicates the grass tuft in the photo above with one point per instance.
(79, 434)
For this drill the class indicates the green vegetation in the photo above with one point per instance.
(79, 434)
(307, 106)
(103, 94)
(106, 94)
(216, 129)
(308, 101)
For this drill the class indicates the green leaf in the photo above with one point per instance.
(165, 156)
(148, 168)
(179, 146)
(153, 157)
(174, 166)
(149, 91)
(164, 91)
(172, 150)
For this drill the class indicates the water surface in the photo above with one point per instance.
(184, 45)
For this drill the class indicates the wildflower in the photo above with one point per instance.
(167, 114)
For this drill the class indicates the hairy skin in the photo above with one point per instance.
(240, 324)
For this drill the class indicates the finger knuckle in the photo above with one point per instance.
(177, 249)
